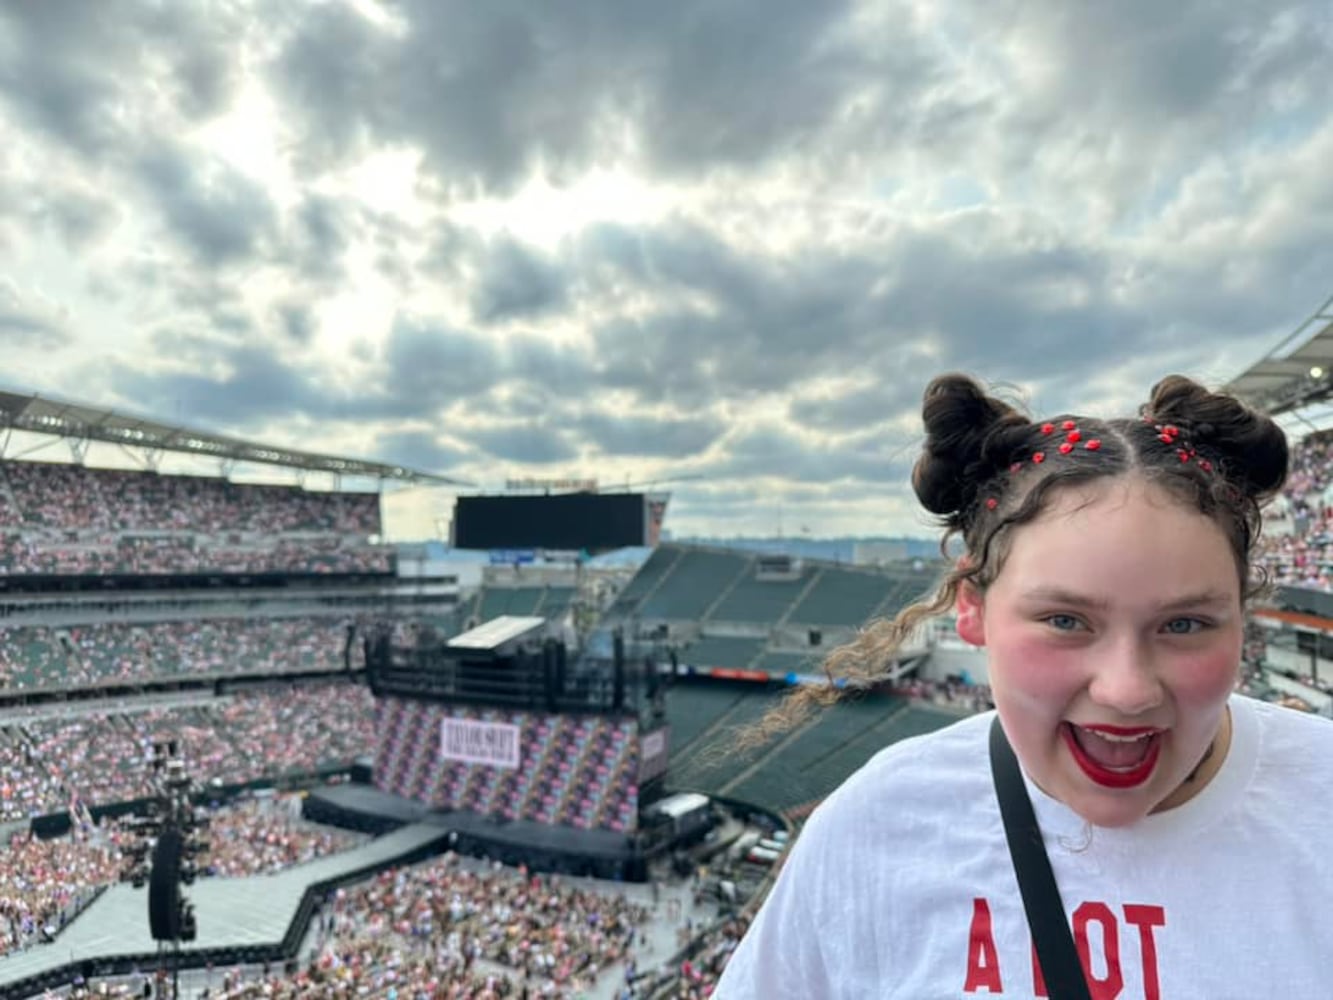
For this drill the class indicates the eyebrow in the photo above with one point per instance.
(1059, 595)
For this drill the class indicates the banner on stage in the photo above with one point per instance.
(475, 742)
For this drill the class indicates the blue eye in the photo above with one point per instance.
(1184, 626)
(1062, 623)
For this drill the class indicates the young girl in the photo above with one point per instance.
(1106, 569)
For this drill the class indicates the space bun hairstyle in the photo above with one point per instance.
(987, 468)
(966, 433)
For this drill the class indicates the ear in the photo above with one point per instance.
(970, 609)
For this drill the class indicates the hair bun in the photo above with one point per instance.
(1252, 447)
(960, 418)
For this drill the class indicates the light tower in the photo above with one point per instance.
(164, 855)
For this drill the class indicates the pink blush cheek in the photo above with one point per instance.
(1033, 687)
(1205, 679)
(1044, 680)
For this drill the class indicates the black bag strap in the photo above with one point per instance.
(1060, 966)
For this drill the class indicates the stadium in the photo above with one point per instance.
(251, 750)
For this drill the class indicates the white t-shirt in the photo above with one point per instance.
(901, 885)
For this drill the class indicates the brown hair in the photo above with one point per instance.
(977, 472)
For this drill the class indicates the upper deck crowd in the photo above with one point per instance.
(74, 520)
(1297, 545)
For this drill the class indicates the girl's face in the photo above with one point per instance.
(1114, 636)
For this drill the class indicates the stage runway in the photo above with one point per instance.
(232, 913)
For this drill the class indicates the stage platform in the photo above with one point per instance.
(601, 853)
(249, 915)
(263, 918)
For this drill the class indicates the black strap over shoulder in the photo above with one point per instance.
(1054, 942)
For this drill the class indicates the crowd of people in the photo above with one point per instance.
(44, 883)
(262, 835)
(185, 552)
(68, 520)
(73, 497)
(102, 757)
(953, 693)
(1297, 546)
(36, 657)
(697, 976)
(446, 929)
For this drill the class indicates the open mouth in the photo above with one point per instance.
(1114, 758)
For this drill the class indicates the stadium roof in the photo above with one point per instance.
(1297, 372)
(82, 423)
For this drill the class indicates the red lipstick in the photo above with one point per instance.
(1105, 776)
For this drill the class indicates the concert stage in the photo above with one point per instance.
(263, 918)
(540, 846)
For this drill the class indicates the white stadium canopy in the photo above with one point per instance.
(80, 424)
(1296, 373)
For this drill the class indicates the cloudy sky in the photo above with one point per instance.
(719, 244)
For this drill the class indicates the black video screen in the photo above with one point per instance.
(597, 522)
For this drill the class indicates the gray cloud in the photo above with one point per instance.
(427, 367)
(517, 400)
(296, 321)
(204, 71)
(63, 206)
(1190, 69)
(516, 283)
(28, 324)
(641, 434)
(890, 314)
(548, 368)
(317, 235)
(76, 213)
(220, 215)
(73, 68)
(193, 349)
(116, 87)
(452, 250)
(243, 385)
(334, 59)
(1065, 196)
(767, 450)
(489, 91)
(18, 328)
(419, 449)
(252, 386)
(53, 81)
(489, 94)
(857, 408)
(526, 442)
(421, 371)
(998, 293)
(767, 321)
(208, 303)
(790, 319)
(1129, 100)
